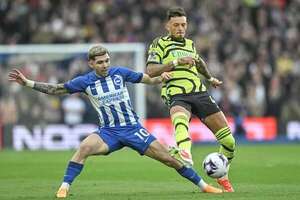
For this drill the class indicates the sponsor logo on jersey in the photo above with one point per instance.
(118, 80)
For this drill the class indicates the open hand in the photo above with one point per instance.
(17, 76)
(215, 82)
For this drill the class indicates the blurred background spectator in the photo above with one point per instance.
(73, 107)
(252, 45)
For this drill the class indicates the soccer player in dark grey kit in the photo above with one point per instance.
(185, 93)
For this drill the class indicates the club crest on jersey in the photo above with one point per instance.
(118, 80)
(152, 56)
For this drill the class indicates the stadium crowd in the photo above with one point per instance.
(252, 45)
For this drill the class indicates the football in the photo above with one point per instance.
(215, 165)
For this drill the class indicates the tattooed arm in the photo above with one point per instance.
(202, 69)
(156, 80)
(48, 88)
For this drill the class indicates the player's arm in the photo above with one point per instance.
(48, 88)
(154, 69)
(154, 62)
(202, 69)
(156, 80)
(155, 66)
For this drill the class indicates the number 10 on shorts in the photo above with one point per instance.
(142, 134)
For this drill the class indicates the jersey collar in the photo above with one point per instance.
(175, 39)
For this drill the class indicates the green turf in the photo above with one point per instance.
(268, 172)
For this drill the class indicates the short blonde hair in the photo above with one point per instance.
(96, 50)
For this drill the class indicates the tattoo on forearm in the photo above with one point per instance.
(49, 88)
(202, 68)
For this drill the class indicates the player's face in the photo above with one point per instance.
(101, 64)
(177, 27)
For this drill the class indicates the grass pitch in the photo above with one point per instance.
(267, 172)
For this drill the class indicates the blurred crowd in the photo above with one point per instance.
(252, 45)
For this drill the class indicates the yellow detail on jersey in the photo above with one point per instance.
(184, 80)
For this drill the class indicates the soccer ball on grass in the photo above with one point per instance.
(215, 165)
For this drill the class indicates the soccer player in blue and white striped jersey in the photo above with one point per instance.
(105, 87)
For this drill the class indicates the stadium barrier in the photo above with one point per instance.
(256, 129)
(62, 136)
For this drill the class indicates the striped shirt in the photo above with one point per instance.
(108, 95)
(185, 80)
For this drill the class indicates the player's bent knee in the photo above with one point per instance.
(93, 145)
(85, 149)
(102, 149)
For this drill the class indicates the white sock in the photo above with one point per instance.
(202, 184)
(65, 185)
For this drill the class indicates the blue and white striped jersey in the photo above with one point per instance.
(108, 95)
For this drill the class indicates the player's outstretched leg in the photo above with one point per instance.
(217, 123)
(72, 171)
(227, 147)
(158, 152)
(92, 145)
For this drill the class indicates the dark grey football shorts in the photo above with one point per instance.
(199, 104)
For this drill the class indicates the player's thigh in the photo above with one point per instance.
(179, 105)
(178, 109)
(94, 145)
(158, 152)
(155, 148)
(216, 121)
